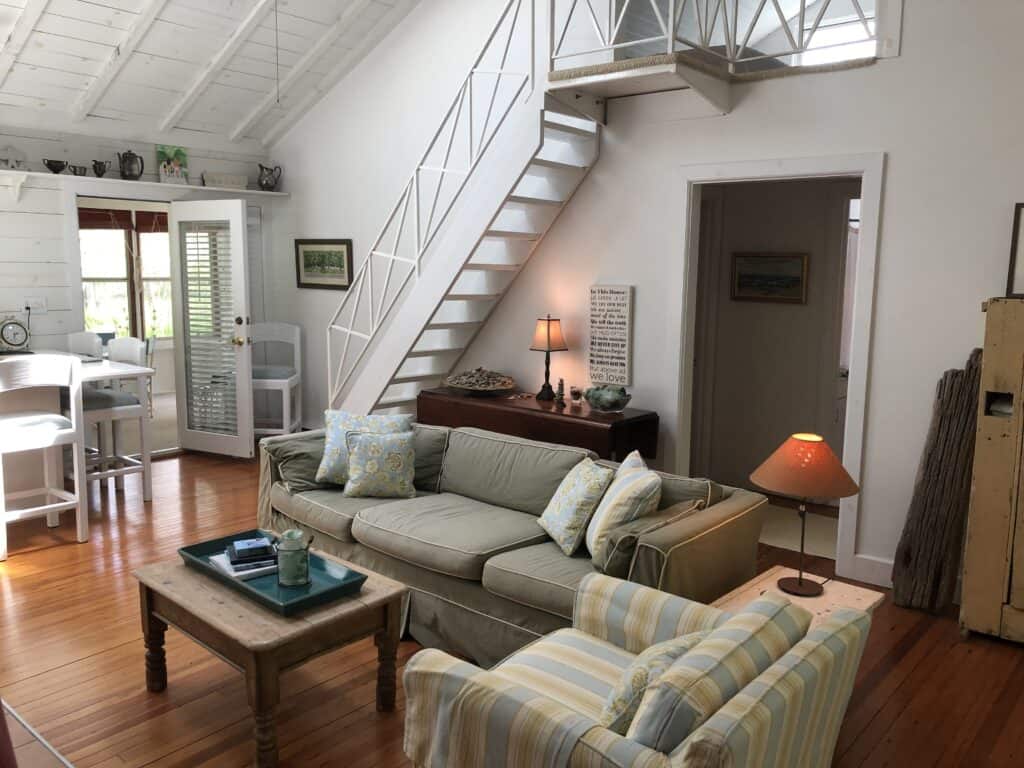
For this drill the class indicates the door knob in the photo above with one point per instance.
(238, 341)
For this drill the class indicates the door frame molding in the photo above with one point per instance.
(870, 167)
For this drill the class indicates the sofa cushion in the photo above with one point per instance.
(633, 493)
(446, 533)
(566, 516)
(380, 466)
(334, 465)
(429, 443)
(328, 511)
(624, 699)
(540, 576)
(297, 458)
(508, 471)
(571, 667)
(732, 655)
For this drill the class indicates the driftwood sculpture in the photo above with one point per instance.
(928, 557)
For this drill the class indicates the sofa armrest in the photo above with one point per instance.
(601, 748)
(704, 555)
(269, 474)
(459, 714)
(635, 617)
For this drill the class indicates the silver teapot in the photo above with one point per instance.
(130, 165)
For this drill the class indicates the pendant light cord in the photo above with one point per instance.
(277, 56)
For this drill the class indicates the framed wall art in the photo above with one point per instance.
(323, 263)
(770, 277)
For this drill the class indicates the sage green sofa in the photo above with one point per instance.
(485, 578)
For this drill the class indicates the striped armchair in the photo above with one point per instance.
(542, 705)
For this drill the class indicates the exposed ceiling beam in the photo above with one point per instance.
(338, 71)
(213, 69)
(92, 95)
(302, 66)
(19, 35)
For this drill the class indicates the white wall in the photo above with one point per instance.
(768, 369)
(945, 115)
(346, 162)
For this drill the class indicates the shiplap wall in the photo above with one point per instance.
(33, 259)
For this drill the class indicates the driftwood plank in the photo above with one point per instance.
(927, 563)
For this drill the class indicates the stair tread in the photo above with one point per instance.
(512, 234)
(391, 402)
(446, 324)
(434, 351)
(543, 161)
(407, 378)
(526, 199)
(573, 129)
(484, 267)
(472, 296)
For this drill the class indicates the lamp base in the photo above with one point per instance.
(800, 587)
(546, 392)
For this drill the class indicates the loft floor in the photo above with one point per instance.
(71, 657)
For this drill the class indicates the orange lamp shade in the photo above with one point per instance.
(806, 468)
(547, 336)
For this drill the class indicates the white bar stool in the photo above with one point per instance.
(114, 404)
(285, 379)
(46, 431)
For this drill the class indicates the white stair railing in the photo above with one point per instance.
(498, 77)
(726, 30)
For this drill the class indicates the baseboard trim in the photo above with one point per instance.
(870, 570)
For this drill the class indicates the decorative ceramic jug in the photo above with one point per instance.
(293, 559)
(99, 167)
(269, 177)
(131, 165)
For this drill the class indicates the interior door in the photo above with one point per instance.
(213, 345)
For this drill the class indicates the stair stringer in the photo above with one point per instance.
(498, 171)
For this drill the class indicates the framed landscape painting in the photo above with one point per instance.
(771, 277)
(323, 264)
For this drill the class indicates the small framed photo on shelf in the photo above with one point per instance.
(1015, 278)
(173, 164)
(325, 263)
(769, 277)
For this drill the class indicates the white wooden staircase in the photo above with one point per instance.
(568, 151)
(501, 168)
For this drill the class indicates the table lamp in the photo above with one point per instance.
(548, 338)
(806, 468)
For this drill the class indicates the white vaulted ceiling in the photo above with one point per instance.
(190, 72)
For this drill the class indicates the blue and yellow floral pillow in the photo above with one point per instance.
(567, 514)
(381, 466)
(624, 699)
(334, 465)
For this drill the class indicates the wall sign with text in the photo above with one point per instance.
(611, 334)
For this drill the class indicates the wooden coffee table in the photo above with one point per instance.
(260, 643)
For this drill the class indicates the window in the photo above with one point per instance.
(840, 40)
(126, 272)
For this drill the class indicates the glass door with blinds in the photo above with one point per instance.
(213, 358)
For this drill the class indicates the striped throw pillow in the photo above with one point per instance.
(632, 494)
(699, 683)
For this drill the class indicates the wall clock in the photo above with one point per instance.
(13, 334)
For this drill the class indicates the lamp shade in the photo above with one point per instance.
(547, 336)
(805, 467)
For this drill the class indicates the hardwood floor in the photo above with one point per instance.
(71, 657)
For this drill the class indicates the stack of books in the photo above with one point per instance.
(246, 559)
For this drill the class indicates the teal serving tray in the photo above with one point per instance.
(328, 580)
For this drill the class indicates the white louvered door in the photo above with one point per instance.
(213, 345)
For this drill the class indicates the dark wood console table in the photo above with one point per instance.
(609, 435)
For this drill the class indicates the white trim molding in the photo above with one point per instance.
(871, 170)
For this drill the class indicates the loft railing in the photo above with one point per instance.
(732, 32)
(499, 75)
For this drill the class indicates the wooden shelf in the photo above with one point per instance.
(123, 184)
